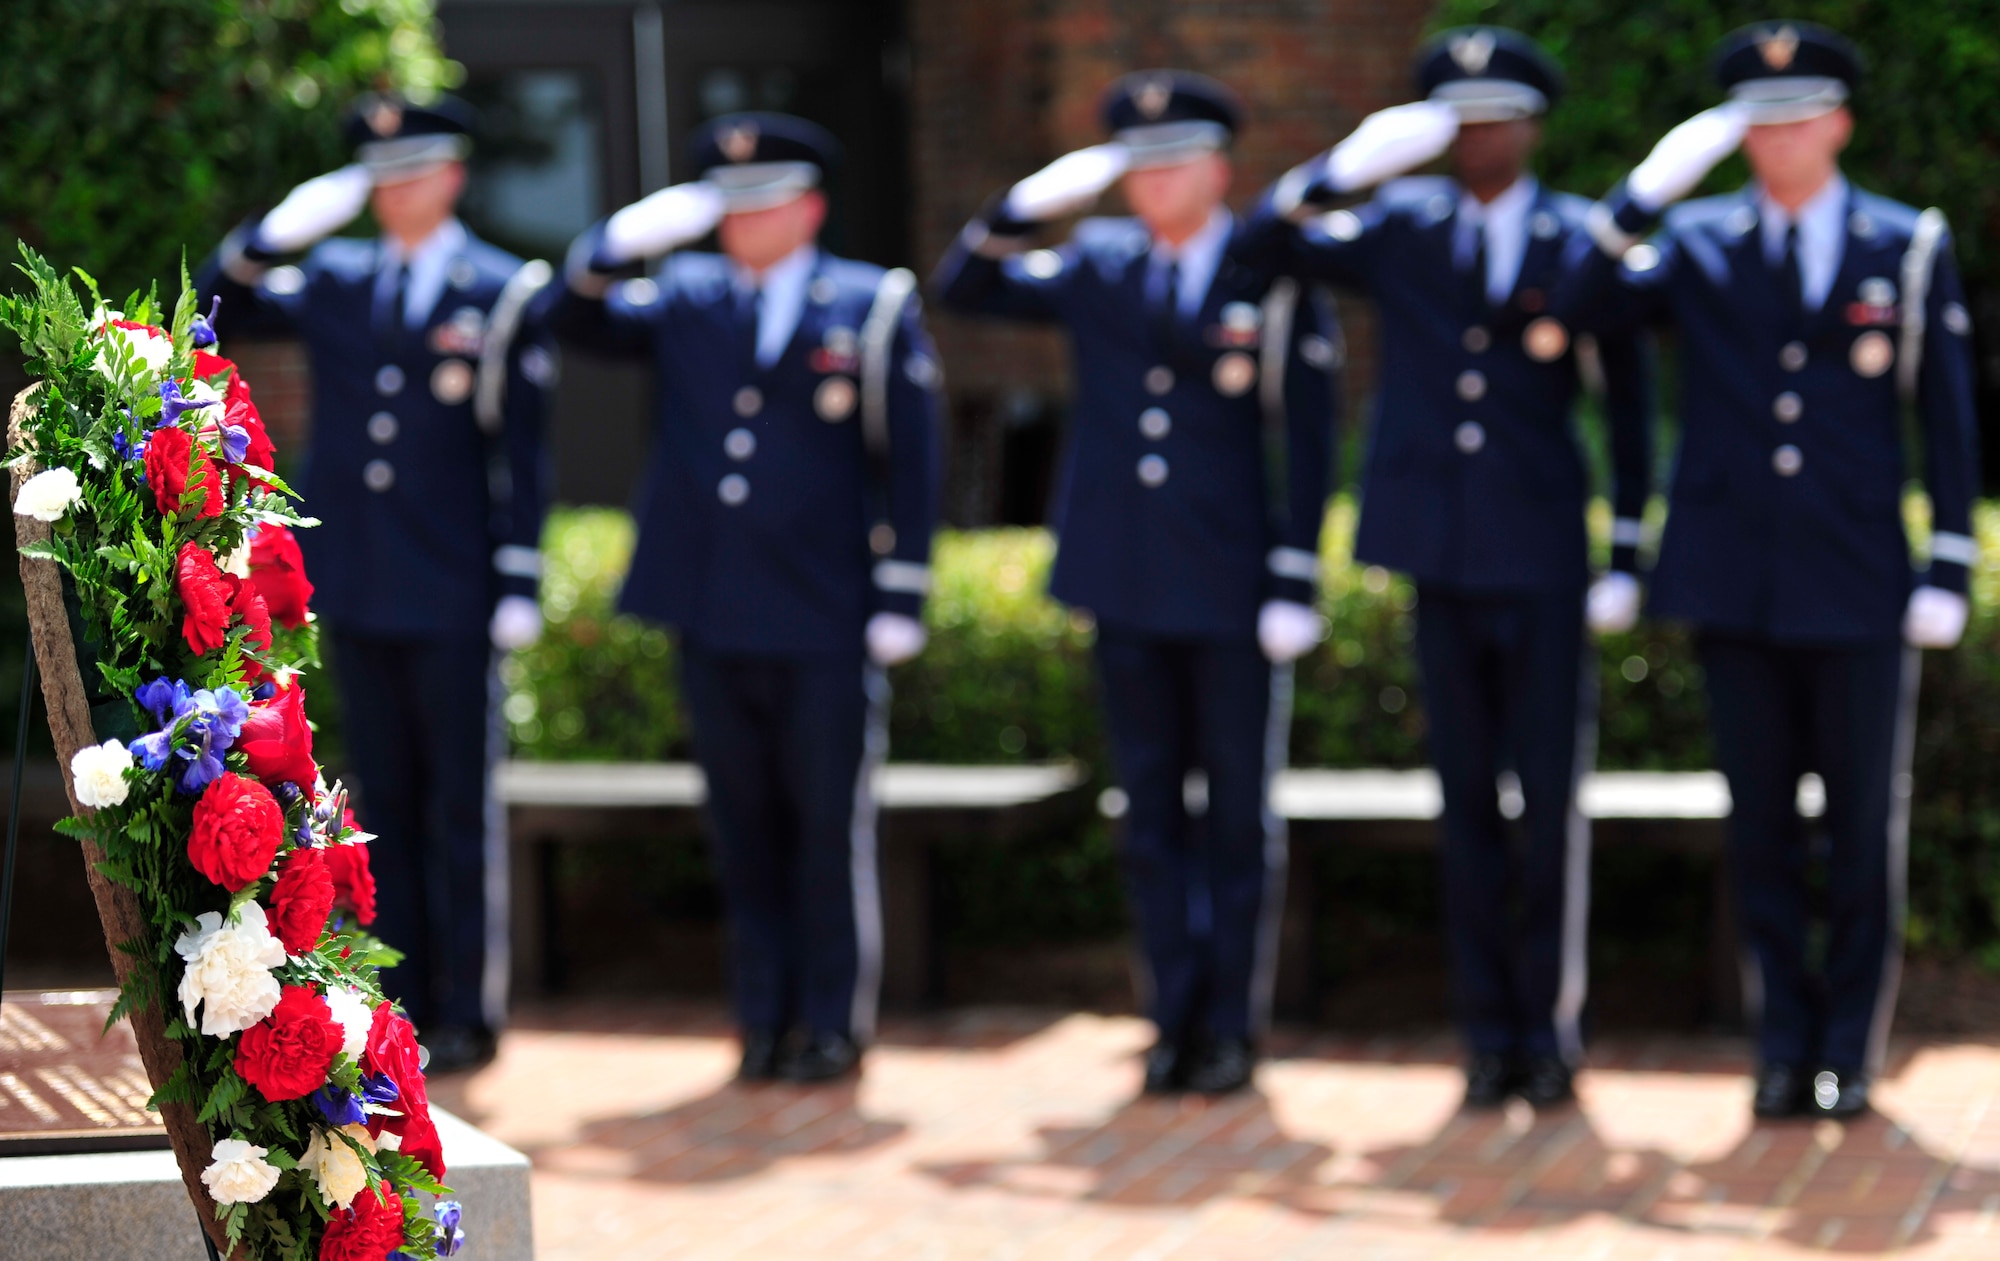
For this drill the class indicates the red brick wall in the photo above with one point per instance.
(1001, 86)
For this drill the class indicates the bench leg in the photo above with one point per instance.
(1725, 947)
(1296, 993)
(910, 976)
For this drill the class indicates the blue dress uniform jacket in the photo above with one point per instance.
(757, 511)
(426, 519)
(1786, 509)
(1474, 476)
(1163, 507)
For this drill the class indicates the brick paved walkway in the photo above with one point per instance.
(1001, 1134)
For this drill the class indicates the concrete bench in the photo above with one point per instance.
(556, 803)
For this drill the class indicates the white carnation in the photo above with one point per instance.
(353, 1015)
(150, 350)
(334, 1165)
(239, 1174)
(238, 561)
(229, 971)
(99, 774)
(199, 391)
(48, 495)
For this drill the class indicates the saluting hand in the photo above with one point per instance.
(1686, 155)
(1391, 142)
(1071, 183)
(315, 209)
(665, 221)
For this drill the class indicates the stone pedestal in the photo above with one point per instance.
(133, 1204)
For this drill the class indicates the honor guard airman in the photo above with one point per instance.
(1810, 313)
(1475, 485)
(425, 466)
(1193, 485)
(784, 531)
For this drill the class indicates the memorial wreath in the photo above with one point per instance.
(292, 1088)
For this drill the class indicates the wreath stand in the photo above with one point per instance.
(53, 656)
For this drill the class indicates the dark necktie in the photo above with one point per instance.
(749, 309)
(1475, 272)
(1166, 308)
(1791, 284)
(389, 307)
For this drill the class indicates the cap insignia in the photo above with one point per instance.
(1778, 47)
(1473, 51)
(739, 142)
(384, 117)
(1153, 96)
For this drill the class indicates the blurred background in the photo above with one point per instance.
(139, 131)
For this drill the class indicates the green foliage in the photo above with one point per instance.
(137, 126)
(1924, 133)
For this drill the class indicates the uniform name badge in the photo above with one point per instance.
(1545, 339)
(834, 399)
(1872, 353)
(1234, 374)
(451, 382)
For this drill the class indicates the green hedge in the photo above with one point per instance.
(138, 127)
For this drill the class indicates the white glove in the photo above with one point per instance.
(667, 220)
(517, 623)
(1685, 155)
(1613, 603)
(894, 639)
(1935, 618)
(315, 209)
(1390, 142)
(1287, 630)
(1069, 184)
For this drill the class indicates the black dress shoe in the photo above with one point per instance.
(1781, 1091)
(1839, 1093)
(457, 1049)
(760, 1057)
(1489, 1079)
(1225, 1067)
(1166, 1068)
(1546, 1082)
(821, 1057)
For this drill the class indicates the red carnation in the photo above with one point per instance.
(238, 410)
(237, 829)
(367, 1231)
(286, 1054)
(302, 901)
(279, 570)
(392, 1052)
(277, 741)
(208, 366)
(247, 603)
(206, 593)
(170, 454)
(353, 882)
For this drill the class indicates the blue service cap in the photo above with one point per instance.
(1489, 74)
(396, 138)
(1166, 117)
(1784, 71)
(760, 160)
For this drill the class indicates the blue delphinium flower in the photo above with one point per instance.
(452, 1238)
(173, 402)
(380, 1089)
(202, 331)
(235, 443)
(339, 1107)
(215, 720)
(166, 700)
